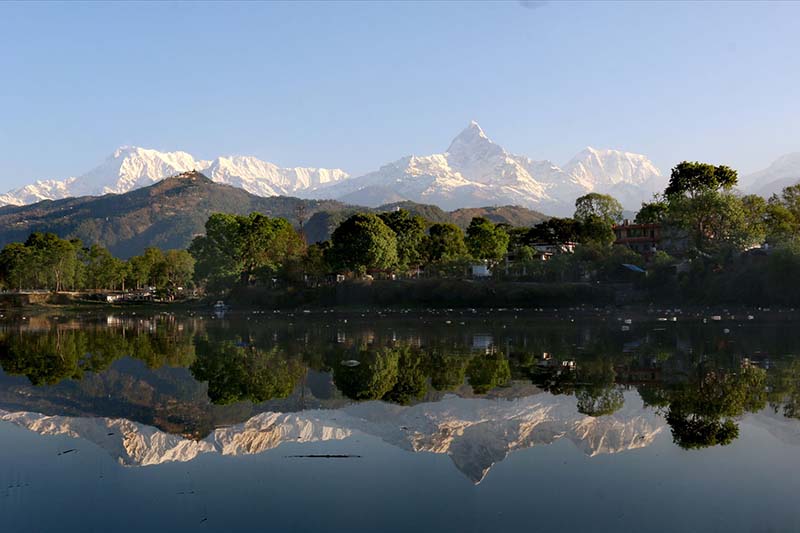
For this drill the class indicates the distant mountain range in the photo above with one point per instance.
(130, 168)
(474, 171)
(170, 212)
(783, 172)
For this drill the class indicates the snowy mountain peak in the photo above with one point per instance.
(470, 138)
(133, 167)
(783, 172)
(474, 171)
(611, 167)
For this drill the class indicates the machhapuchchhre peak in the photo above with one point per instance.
(474, 171)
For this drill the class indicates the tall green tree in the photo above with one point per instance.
(177, 269)
(54, 260)
(596, 205)
(445, 242)
(15, 265)
(244, 249)
(363, 242)
(103, 270)
(654, 212)
(485, 240)
(410, 233)
(694, 179)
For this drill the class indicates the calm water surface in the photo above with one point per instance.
(400, 421)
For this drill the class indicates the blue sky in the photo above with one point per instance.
(356, 85)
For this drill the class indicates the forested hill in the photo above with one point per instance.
(167, 214)
(322, 224)
(171, 212)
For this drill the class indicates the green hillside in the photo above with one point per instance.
(167, 214)
(171, 212)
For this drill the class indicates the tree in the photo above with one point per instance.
(782, 216)
(54, 261)
(596, 230)
(694, 178)
(244, 249)
(601, 206)
(715, 220)
(445, 242)
(485, 240)
(597, 214)
(410, 233)
(102, 270)
(654, 212)
(15, 264)
(554, 231)
(177, 268)
(364, 242)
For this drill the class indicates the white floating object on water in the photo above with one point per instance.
(350, 362)
(628, 321)
(750, 317)
(726, 331)
(662, 319)
(626, 328)
(716, 318)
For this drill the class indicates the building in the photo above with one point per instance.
(642, 238)
(548, 250)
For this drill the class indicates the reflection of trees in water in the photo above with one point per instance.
(237, 371)
(50, 356)
(486, 372)
(783, 381)
(700, 383)
(701, 409)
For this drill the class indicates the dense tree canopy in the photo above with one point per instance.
(409, 231)
(364, 242)
(242, 249)
(693, 179)
(445, 242)
(598, 206)
(486, 240)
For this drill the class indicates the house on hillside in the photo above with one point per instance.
(548, 250)
(642, 238)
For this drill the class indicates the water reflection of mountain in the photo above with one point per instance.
(476, 433)
(187, 376)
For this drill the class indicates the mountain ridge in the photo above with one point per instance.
(170, 212)
(474, 171)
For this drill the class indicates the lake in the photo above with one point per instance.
(459, 420)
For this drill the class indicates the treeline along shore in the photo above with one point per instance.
(699, 242)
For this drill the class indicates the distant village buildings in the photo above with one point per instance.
(642, 238)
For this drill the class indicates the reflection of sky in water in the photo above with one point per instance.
(515, 459)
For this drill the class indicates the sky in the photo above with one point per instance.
(357, 85)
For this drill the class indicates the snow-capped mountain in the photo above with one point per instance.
(267, 179)
(475, 432)
(783, 172)
(130, 168)
(475, 171)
